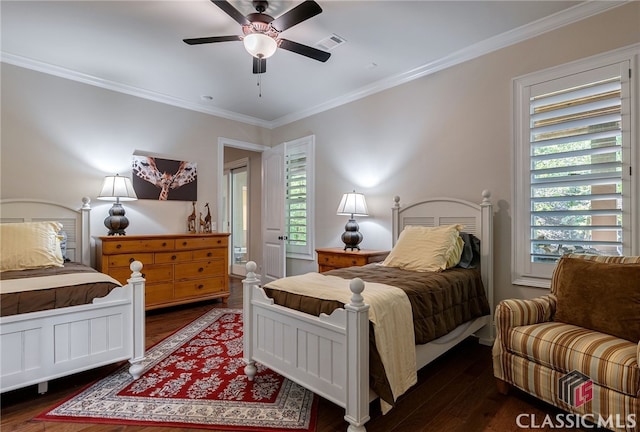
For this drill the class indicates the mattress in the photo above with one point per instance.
(51, 298)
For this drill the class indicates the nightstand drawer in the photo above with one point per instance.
(335, 258)
(340, 261)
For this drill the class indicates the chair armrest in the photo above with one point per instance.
(518, 312)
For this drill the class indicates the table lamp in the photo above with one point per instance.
(117, 188)
(352, 204)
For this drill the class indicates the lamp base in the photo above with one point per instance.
(351, 236)
(116, 222)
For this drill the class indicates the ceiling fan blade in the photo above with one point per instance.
(259, 65)
(231, 11)
(212, 39)
(300, 13)
(304, 50)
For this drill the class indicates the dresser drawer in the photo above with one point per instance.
(158, 293)
(204, 254)
(198, 288)
(201, 242)
(197, 269)
(172, 257)
(152, 273)
(126, 259)
(143, 245)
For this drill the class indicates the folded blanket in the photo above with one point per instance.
(389, 312)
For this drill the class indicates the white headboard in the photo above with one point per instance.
(75, 222)
(477, 219)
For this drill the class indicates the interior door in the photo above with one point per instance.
(238, 217)
(273, 205)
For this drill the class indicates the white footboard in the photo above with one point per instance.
(328, 355)
(39, 346)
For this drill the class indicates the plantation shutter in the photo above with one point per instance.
(576, 165)
(299, 191)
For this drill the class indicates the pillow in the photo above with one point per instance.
(471, 252)
(62, 235)
(425, 249)
(30, 245)
(600, 296)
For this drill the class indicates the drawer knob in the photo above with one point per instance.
(164, 244)
(219, 241)
(353, 262)
(209, 254)
(173, 257)
(326, 259)
(184, 243)
(144, 275)
(201, 269)
(118, 246)
(131, 260)
(200, 286)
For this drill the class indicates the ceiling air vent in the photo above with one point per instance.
(330, 42)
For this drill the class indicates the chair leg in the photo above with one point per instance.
(503, 386)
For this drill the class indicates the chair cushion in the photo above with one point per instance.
(609, 361)
(601, 296)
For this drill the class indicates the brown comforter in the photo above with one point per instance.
(439, 301)
(32, 301)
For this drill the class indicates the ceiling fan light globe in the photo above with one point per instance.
(260, 45)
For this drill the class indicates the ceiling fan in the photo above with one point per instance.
(261, 32)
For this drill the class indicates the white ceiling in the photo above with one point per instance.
(136, 47)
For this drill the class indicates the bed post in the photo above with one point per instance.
(85, 242)
(395, 222)
(247, 315)
(487, 334)
(357, 406)
(137, 286)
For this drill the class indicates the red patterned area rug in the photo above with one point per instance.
(195, 378)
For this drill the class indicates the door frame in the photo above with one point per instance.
(228, 142)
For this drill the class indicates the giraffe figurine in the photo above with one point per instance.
(191, 220)
(207, 220)
(201, 224)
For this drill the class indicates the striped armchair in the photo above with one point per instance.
(581, 371)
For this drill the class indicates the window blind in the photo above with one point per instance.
(296, 196)
(576, 170)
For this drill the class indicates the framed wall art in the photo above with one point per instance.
(164, 179)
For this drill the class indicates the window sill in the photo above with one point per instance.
(532, 282)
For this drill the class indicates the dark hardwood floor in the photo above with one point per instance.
(454, 393)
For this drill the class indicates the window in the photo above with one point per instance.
(573, 165)
(299, 177)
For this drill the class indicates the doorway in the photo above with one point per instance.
(237, 211)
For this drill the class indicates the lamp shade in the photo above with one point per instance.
(260, 45)
(353, 204)
(117, 188)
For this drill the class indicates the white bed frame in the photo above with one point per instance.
(329, 355)
(39, 346)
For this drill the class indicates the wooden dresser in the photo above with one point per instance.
(180, 268)
(334, 258)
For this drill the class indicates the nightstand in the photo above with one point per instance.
(334, 258)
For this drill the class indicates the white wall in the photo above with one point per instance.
(60, 138)
(444, 134)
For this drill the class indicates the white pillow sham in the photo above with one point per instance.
(425, 249)
(29, 245)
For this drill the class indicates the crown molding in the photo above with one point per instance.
(560, 19)
(61, 72)
(576, 13)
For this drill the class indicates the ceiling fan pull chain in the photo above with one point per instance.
(259, 85)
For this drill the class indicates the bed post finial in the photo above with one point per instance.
(486, 196)
(396, 201)
(86, 202)
(357, 286)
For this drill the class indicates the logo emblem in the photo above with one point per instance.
(575, 389)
